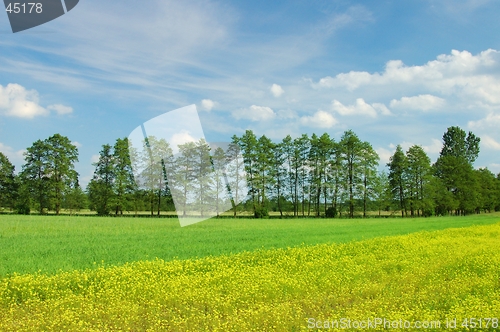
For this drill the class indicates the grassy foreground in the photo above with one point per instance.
(51, 244)
(426, 276)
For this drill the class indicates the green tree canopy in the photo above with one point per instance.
(8, 185)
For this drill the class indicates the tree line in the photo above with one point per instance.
(304, 176)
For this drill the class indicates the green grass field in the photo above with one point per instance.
(52, 244)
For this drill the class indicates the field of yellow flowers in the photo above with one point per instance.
(425, 276)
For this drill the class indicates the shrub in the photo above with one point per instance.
(331, 212)
(261, 213)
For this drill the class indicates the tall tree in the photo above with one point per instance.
(288, 154)
(184, 176)
(368, 166)
(279, 173)
(235, 173)
(36, 174)
(315, 163)
(487, 190)
(203, 171)
(8, 184)
(124, 183)
(100, 187)
(459, 145)
(397, 170)
(352, 151)
(219, 163)
(61, 157)
(454, 167)
(382, 192)
(248, 144)
(263, 171)
(336, 166)
(417, 177)
(49, 170)
(161, 165)
(303, 146)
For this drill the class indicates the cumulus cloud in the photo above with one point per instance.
(458, 73)
(207, 105)
(254, 113)
(277, 90)
(359, 108)
(491, 120)
(16, 101)
(381, 108)
(489, 143)
(77, 144)
(384, 155)
(434, 147)
(351, 80)
(9, 152)
(180, 138)
(320, 119)
(420, 103)
(60, 109)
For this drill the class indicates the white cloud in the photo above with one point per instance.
(180, 138)
(385, 154)
(84, 180)
(459, 73)
(60, 109)
(420, 103)
(94, 158)
(254, 113)
(489, 143)
(494, 167)
(381, 108)
(16, 101)
(320, 119)
(287, 114)
(15, 157)
(77, 144)
(207, 105)
(277, 90)
(491, 120)
(353, 15)
(351, 80)
(359, 108)
(434, 147)
(406, 145)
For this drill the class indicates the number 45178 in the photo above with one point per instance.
(23, 8)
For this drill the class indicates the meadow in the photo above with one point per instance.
(51, 244)
(426, 278)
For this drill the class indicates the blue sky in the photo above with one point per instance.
(395, 72)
